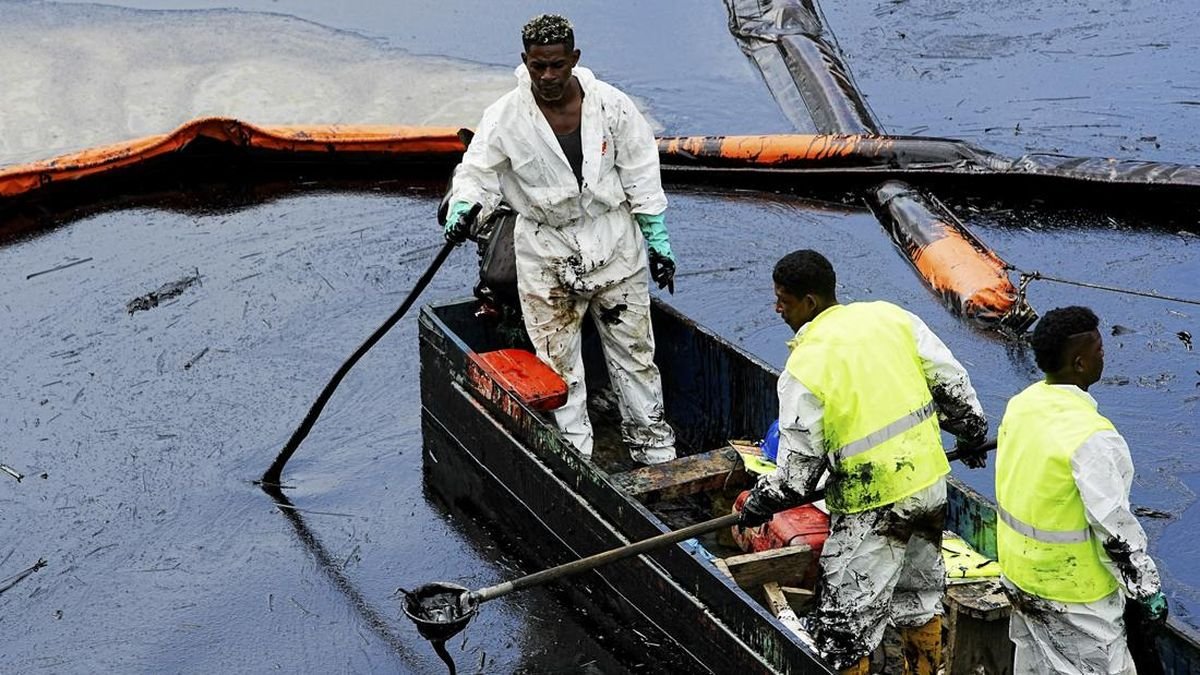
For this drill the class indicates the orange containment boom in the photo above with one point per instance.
(812, 151)
(971, 279)
(439, 144)
(969, 276)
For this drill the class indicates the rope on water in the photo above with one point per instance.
(1026, 277)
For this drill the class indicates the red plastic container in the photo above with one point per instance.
(805, 525)
(521, 373)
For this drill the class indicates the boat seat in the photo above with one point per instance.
(977, 628)
(784, 566)
(684, 476)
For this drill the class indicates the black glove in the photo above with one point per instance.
(755, 511)
(970, 452)
(662, 271)
(1144, 619)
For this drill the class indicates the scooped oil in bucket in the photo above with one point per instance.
(440, 611)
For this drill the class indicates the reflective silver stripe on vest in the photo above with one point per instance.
(1044, 536)
(892, 430)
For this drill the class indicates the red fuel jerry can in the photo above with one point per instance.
(803, 525)
(522, 373)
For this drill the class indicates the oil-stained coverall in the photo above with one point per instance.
(1085, 637)
(578, 247)
(880, 564)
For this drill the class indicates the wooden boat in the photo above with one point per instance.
(693, 607)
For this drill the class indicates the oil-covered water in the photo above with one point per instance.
(138, 433)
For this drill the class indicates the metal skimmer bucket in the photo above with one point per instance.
(441, 609)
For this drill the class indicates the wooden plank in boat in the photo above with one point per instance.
(784, 566)
(780, 598)
(798, 598)
(983, 600)
(684, 476)
(977, 629)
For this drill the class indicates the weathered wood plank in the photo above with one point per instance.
(983, 600)
(785, 566)
(779, 605)
(684, 476)
(777, 602)
(977, 629)
(720, 564)
(798, 598)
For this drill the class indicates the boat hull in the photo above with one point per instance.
(498, 460)
(489, 454)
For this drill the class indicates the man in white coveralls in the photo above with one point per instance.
(578, 162)
(1070, 550)
(866, 387)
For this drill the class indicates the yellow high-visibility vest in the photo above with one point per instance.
(880, 423)
(1043, 539)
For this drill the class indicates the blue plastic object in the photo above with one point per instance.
(770, 446)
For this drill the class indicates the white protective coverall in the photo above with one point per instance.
(884, 564)
(1076, 638)
(578, 247)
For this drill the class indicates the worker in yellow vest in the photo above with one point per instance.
(865, 389)
(1070, 549)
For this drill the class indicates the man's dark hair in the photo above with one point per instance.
(548, 29)
(1055, 330)
(805, 271)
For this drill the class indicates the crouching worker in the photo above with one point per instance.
(1070, 550)
(864, 390)
(576, 160)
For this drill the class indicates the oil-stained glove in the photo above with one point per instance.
(662, 260)
(756, 510)
(459, 221)
(1155, 608)
(662, 271)
(971, 452)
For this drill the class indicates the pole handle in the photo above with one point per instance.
(272, 474)
(667, 538)
(613, 555)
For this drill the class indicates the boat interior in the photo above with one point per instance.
(721, 401)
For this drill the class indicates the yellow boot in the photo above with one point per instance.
(863, 667)
(922, 648)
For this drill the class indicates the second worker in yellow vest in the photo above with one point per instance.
(1069, 548)
(865, 389)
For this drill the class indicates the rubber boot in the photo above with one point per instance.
(863, 667)
(922, 648)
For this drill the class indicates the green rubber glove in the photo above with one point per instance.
(654, 229)
(1155, 607)
(662, 260)
(458, 222)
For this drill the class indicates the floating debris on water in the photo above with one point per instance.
(1148, 512)
(164, 292)
(11, 471)
(20, 576)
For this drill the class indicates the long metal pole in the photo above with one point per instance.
(659, 541)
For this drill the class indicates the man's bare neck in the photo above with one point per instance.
(565, 114)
